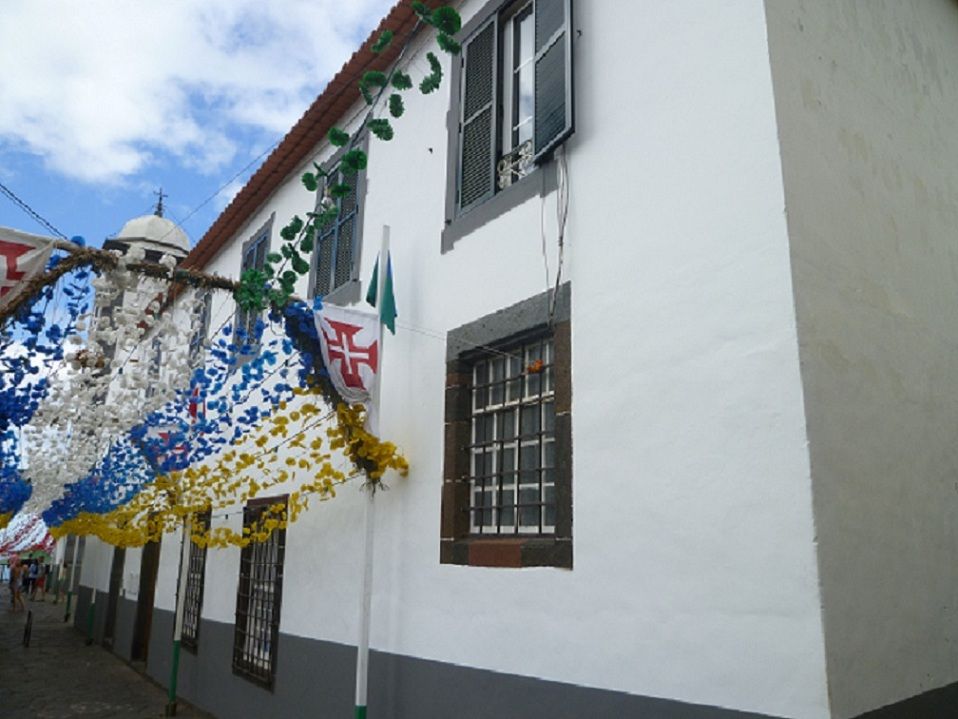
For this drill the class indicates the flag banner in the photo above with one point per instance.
(22, 256)
(350, 343)
(387, 313)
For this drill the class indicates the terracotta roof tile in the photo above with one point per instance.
(338, 96)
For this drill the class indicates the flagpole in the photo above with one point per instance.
(365, 602)
(73, 569)
(178, 619)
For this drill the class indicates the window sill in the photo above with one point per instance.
(510, 552)
(540, 182)
(348, 293)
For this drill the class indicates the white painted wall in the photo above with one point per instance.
(867, 96)
(95, 564)
(695, 573)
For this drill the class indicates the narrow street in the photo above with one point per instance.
(58, 676)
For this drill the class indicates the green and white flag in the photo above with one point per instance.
(387, 313)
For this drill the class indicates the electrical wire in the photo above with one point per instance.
(562, 216)
(12, 196)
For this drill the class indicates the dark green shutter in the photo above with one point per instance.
(554, 120)
(323, 249)
(477, 141)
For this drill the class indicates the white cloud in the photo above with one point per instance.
(101, 87)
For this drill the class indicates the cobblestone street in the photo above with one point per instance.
(58, 676)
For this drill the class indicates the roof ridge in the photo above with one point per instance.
(299, 142)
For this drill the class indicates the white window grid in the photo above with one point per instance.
(512, 451)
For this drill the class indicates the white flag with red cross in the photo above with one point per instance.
(350, 341)
(21, 257)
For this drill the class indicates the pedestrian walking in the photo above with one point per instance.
(31, 577)
(16, 587)
(39, 583)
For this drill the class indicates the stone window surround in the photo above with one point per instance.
(457, 546)
(267, 229)
(539, 183)
(350, 292)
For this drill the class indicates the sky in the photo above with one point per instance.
(103, 102)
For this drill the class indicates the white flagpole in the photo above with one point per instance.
(365, 603)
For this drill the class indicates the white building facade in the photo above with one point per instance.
(728, 488)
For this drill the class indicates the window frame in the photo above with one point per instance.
(509, 327)
(350, 291)
(541, 180)
(242, 664)
(195, 584)
(242, 318)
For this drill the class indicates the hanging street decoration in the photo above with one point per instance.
(22, 256)
(350, 344)
(116, 421)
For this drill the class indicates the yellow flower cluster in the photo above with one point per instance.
(251, 465)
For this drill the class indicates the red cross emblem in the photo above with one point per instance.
(342, 346)
(10, 274)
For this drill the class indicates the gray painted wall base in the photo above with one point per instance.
(99, 612)
(319, 675)
(315, 678)
(930, 705)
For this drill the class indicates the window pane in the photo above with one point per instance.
(524, 37)
(530, 420)
(529, 458)
(549, 416)
(529, 506)
(507, 459)
(498, 376)
(549, 492)
(549, 454)
(507, 425)
(525, 101)
(261, 247)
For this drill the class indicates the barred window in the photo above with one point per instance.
(258, 600)
(507, 469)
(195, 575)
(512, 454)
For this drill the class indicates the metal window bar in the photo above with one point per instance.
(258, 601)
(195, 574)
(512, 450)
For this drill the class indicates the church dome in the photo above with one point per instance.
(155, 229)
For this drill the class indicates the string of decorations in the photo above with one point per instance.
(273, 284)
(249, 467)
(122, 461)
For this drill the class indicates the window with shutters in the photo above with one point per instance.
(255, 250)
(258, 599)
(507, 490)
(514, 97)
(334, 274)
